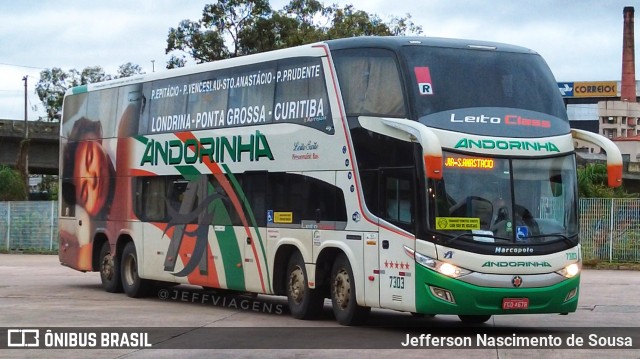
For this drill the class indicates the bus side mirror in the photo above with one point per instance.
(433, 166)
(614, 157)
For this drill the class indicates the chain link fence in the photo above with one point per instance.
(29, 226)
(609, 228)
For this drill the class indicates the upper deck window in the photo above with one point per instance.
(370, 82)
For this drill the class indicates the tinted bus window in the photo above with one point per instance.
(370, 82)
(291, 91)
(301, 95)
(450, 78)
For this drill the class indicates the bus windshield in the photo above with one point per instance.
(501, 200)
(471, 78)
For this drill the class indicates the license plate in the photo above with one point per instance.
(515, 303)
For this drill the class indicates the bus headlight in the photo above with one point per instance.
(570, 271)
(447, 269)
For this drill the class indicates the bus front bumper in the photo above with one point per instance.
(439, 294)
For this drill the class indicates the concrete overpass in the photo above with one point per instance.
(43, 147)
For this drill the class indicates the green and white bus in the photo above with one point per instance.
(424, 175)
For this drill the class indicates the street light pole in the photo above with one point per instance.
(26, 137)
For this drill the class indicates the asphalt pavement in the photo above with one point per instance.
(37, 293)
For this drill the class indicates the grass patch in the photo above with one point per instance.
(28, 251)
(598, 264)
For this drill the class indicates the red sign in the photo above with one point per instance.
(515, 303)
(423, 76)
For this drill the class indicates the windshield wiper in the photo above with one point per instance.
(456, 237)
(467, 234)
(557, 235)
(452, 239)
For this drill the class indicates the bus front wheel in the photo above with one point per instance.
(304, 302)
(343, 294)
(109, 270)
(133, 285)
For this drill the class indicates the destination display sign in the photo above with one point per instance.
(291, 91)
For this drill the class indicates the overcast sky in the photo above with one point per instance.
(581, 40)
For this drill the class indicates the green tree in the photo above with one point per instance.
(128, 69)
(294, 25)
(230, 17)
(252, 26)
(592, 183)
(350, 22)
(93, 74)
(404, 26)
(48, 187)
(201, 44)
(51, 87)
(12, 186)
(203, 40)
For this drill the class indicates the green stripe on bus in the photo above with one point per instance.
(79, 89)
(142, 139)
(250, 214)
(227, 240)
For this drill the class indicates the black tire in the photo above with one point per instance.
(474, 319)
(109, 270)
(132, 284)
(343, 294)
(304, 302)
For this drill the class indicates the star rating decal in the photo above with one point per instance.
(396, 264)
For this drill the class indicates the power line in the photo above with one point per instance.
(25, 66)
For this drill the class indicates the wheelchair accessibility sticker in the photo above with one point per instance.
(522, 232)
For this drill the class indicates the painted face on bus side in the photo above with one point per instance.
(92, 176)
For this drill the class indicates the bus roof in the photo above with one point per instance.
(309, 50)
(396, 42)
(386, 42)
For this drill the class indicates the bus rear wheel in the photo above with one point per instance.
(474, 319)
(304, 302)
(109, 270)
(343, 294)
(133, 285)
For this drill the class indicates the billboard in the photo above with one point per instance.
(588, 89)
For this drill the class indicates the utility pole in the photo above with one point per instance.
(22, 162)
(26, 125)
(153, 65)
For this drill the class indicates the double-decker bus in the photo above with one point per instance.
(424, 175)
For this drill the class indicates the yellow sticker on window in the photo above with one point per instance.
(282, 217)
(457, 223)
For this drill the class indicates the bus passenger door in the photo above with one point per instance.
(255, 262)
(397, 207)
(251, 230)
(371, 269)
